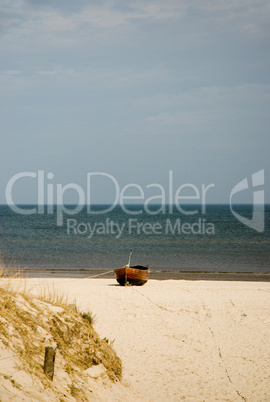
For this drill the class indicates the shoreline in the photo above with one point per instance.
(157, 275)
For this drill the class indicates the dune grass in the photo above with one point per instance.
(28, 324)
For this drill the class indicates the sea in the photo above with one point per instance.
(212, 238)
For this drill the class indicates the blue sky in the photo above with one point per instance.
(135, 89)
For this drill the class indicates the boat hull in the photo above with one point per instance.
(136, 275)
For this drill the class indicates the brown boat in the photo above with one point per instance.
(136, 275)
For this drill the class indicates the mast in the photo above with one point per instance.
(127, 266)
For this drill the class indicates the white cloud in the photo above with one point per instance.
(9, 72)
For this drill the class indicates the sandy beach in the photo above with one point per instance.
(181, 340)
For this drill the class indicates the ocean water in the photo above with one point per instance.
(165, 238)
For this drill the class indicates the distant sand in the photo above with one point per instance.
(182, 340)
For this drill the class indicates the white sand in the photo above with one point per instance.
(182, 340)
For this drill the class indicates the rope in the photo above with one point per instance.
(76, 279)
(94, 276)
(71, 280)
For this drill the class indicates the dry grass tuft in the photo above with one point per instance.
(79, 343)
(50, 294)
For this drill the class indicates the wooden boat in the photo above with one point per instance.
(136, 275)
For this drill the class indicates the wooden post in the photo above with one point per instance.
(49, 360)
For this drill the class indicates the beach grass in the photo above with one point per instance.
(28, 324)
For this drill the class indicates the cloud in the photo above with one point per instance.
(145, 32)
(59, 72)
(4, 73)
(62, 16)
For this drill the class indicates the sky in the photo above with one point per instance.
(135, 90)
